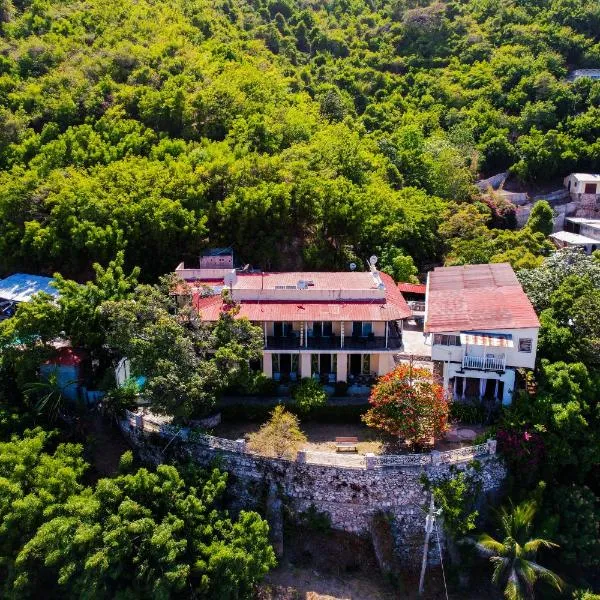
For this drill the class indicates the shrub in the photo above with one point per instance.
(470, 414)
(407, 403)
(346, 413)
(279, 437)
(308, 395)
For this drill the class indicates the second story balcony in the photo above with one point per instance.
(334, 342)
(488, 362)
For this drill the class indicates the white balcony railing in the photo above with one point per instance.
(484, 363)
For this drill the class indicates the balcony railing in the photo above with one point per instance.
(334, 342)
(416, 305)
(484, 363)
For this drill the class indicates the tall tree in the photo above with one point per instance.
(513, 558)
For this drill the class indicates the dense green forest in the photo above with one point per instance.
(302, 133)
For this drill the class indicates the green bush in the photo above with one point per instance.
(470, 414)
(308, 395)
(350, 413)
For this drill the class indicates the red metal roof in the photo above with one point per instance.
(475, 297)
(393, 307)
(67, 356)
(412, 288)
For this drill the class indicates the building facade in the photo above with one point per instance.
(579, 232)
(482, 327)
(334, 326)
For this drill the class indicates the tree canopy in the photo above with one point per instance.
(153, 533)
(303, 134)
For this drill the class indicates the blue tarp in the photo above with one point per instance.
(20, 287)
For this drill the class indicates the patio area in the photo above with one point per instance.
(321, 436)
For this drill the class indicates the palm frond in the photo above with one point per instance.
(488, 546)
(547, 575)
(532, 546)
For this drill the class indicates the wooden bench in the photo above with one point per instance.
(346, 444)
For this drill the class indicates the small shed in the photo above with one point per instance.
(67, 365)
(580, 184)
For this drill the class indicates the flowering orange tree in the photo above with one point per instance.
(407, 403)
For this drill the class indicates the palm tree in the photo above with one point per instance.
(513, 559)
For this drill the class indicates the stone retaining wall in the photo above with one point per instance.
(350, 496)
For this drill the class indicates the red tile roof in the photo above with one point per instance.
(477, 297)
(412, 288)
(393, 307)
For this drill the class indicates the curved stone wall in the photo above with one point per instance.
(350, 496)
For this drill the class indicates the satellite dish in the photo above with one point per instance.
(373, 260)
(353, 266)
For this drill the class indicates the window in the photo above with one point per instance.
(590, 188)
(446, 340)
(366, 364)
(282, 328)
(525, 344)
(367, 329)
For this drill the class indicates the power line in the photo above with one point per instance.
(437, 533)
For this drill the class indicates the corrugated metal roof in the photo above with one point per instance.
(20, 287)
(412, 288)
(392, 307)
(476, 297)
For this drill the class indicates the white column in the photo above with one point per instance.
(342, 335)
(268, 365)
(305, 334)
(305, 364)
(301, 335)
(342, 366)
(509, 385)
(386, 334)
(446, 367)
(464, 390)
(383, 367)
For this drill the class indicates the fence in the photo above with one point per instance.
(161, 427)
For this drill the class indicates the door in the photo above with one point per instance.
(285, 363)
(317, 329)
(357, 329)
(355, 364)
(325, 360)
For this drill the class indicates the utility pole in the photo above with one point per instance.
(429, 519)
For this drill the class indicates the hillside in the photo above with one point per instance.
(303, 133)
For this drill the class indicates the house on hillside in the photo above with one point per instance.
(21, 287)
(482, 328)
(333, 326)
(583, 186)
(580, 233)
(213, 265)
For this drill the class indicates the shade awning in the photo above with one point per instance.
(481, 338)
